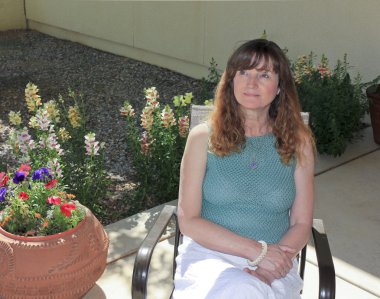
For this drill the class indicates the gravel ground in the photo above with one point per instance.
(104, 79)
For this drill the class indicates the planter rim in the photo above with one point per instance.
(373, 91)
(49, 237)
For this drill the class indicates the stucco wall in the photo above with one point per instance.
(184, 35)
(12, 14)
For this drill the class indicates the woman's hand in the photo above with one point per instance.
(277, 261)
(264, 275)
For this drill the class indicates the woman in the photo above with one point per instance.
(246, 188)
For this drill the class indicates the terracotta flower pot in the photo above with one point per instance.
(64, 265)
(373, 93)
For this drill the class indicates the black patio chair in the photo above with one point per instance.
(168, 213)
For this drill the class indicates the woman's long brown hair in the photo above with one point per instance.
(227, 120)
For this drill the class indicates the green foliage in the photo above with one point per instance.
(209, 84)
(335, 102)
(156, 147)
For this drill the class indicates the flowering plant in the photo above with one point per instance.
(156, 146)
(336, 103)
(54, 143)
(36, 204)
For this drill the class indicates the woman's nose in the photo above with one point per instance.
(252, 81)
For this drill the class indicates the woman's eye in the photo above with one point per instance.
(242, 72)
(265, 75)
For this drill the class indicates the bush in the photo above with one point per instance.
(335, 102)
(156, 143)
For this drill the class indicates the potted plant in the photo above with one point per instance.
(373, 94)
(51, 246)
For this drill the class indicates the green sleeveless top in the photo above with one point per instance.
(250, 192)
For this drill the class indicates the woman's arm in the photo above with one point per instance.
(301, 214)
(202, 231)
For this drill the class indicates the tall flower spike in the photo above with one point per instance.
(167, 117)
(92, 146)
(53, 111)
(151, 96)
(33, 100)
(144, 143)
(183, 123)
(74, 116)
(15, 118)
(147, 118)
(127, 110)
(42, 119)
(25, 141)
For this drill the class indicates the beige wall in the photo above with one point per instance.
(12, 14)
(184, 35)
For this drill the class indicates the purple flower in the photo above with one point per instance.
(3, 192)
(19, 177)
(41, 174)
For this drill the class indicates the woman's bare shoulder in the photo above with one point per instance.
(198, 137)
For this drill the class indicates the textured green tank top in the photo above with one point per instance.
(250, 192)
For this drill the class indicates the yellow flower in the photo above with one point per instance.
(53, 111)
(63, 134)
(33, 122)
(127, 110)
(33, 100)
(74, 116)
(147, 117)
(15, 118)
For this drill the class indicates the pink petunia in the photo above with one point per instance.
(66, 208)
(23, 195)
(54, 200)
(3, 179)
(24, 168)
(51, 184)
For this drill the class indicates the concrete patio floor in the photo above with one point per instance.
(347, 199)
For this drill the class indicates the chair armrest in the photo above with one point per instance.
(325, 261)
(144, 254)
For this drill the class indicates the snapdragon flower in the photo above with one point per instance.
(25, 141)
(33, 100)
(92, 146)
(151, 96)
(167, 117)
(127, 110)
(183, 123)
(15, 118)
(74, 116)
(147, 118)
(42, 119)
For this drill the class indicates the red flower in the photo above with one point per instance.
(23, 195)
(51, 184)
(24, 168)
(3, 179)
(66, 208)
(54, 200)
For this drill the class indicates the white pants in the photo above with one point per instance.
(203, 273)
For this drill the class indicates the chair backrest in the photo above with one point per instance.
(200, 113)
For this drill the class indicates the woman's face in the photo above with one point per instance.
(255, 89)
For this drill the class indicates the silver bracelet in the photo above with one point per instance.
(264, 250)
